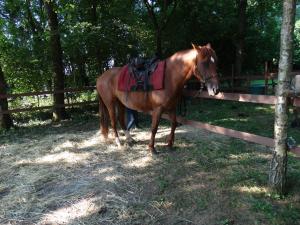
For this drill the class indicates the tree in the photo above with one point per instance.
(239, 52)
(5, 119)
(57, 60)
(277, 176)
(160, 15)
(23, 45)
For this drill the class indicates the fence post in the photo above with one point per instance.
(266, 74)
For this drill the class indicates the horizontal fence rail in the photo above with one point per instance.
(67, 90)
(231, 133)
(30, 109)
(261, 99)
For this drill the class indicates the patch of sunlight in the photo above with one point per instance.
(95, 139)
(251, 190)
(265, 109)
(140, 162)
(162, 204)
(36, 122)
(249, 155)
(88, 142)
(65, 215)
(66, 157)
(142, 135)
(191, 163)
(233, 120)
(181, 130)
(104, 170)
(239, 156)
(3, 147)
(112, 178)
(66, 144)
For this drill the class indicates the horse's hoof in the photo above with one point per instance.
(104, 139)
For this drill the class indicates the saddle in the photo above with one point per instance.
(140, 70)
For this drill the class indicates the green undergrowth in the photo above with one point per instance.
(248, 117)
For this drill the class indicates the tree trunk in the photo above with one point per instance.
(94, 21)
(277, 176)
(5, 119)
(158, 43)
(82, 72)
(242, 6)
(56, 56)
(160, 24)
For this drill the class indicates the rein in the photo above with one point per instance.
(201, 78)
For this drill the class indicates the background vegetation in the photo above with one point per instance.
(50, 44)
(94, 34)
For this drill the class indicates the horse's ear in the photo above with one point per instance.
(208, 45)
(195, 46)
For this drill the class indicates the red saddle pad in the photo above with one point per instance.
(125, 81)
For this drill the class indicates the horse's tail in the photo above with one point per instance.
(104, 117)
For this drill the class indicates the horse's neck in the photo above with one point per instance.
(184, 63)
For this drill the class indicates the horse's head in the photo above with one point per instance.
(205, 69)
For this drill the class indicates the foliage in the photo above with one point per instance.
(98, 34)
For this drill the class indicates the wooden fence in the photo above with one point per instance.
(67, 90)
(262, 99)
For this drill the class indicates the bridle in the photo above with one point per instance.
(202, 78)
(197, 74)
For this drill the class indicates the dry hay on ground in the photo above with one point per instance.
(73, 178)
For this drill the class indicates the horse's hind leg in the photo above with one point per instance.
(170, 138)
(156, 114)
(121, 115)
(112, 115)
(121, 118)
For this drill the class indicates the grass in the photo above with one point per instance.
(48, 173)
(247, 117)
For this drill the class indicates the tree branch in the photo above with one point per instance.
(151, 13)
(167, 18)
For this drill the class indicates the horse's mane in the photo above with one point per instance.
(205, 51)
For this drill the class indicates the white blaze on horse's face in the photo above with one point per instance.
(210, 89)
(212, 59)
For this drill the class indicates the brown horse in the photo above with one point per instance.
(199, 61)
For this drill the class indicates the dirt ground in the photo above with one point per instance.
(66, 175)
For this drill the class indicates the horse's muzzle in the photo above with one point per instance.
(216, 91)
(212, 89)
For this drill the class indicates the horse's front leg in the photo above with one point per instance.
(170, 138)
(156, 114)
